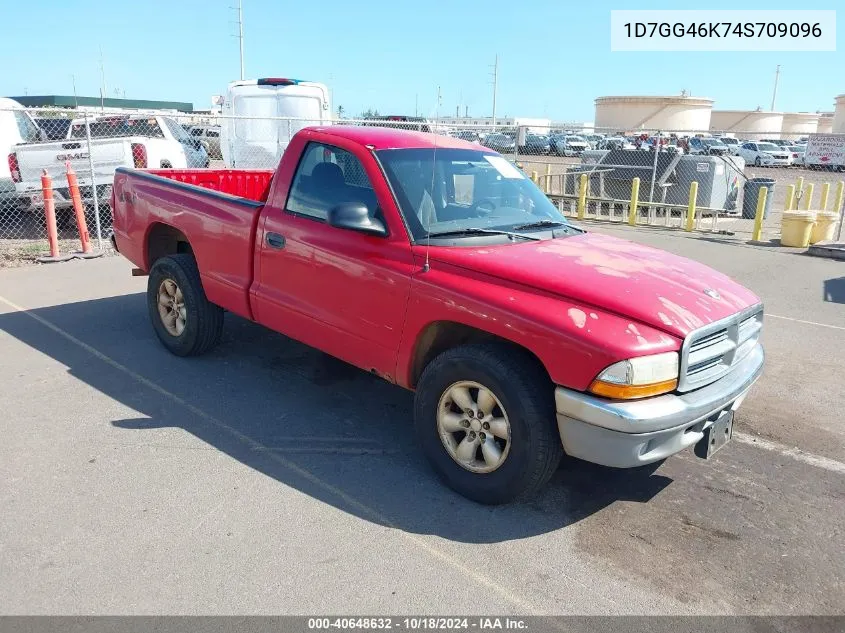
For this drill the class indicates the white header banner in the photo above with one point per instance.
(722, 30)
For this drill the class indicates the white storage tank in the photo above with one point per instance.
(839, 116)
(825, 122)
(751, 125)
(666, 114)
(799, 125)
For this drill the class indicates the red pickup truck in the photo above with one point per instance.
(437, 265)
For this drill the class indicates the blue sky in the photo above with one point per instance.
(554, 55)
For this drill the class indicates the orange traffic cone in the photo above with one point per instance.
(50, 217)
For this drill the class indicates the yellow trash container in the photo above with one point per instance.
(796, 227)
(825, 226)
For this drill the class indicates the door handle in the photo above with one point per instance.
(274, 240)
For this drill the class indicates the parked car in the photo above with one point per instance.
(210, 136)
(568, 145)
(499, 142)
(733, 144)
(54, 128)
(594, 140)
(780, 142)
(797, 154)
(132, 141)
(764, 154)
(262, 115)
(526, 335)
(535, 144)
(616, 142)
(708, 146)
(467, 135)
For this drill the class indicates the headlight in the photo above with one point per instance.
(638, 377)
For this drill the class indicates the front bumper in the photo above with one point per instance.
(632, 433)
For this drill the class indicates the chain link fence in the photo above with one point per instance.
(590, 174)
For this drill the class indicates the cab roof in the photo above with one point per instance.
(392, 138)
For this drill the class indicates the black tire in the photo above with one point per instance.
(204, 320)
(527, 396)
(758, 162)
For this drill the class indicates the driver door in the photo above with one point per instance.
(335, 289)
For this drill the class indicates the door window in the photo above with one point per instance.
(28, 130)
(328, 176)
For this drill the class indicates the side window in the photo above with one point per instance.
(28, 130)
(325, 177)
(213, 134)
(196, 132)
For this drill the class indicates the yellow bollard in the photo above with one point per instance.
(807, 198)
(693, 197)
(840, 192)
(799, 192)
(825, 194)
(582, 196)
(534, 177)
(548, 183)
(632, 207)
(790, 198)
(758, 216)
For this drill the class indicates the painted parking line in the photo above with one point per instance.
(786, 318)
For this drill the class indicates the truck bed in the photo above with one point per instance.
(216, 211)
(252, 184)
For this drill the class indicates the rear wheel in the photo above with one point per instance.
(758, 162)
(484, 414)
(184, 320)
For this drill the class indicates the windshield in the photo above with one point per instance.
(730, 141)
(453, 189)
(711, 141)
(767, 147)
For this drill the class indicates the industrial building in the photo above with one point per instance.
(799, 124)
(97, 104)
(825, 123)
(748, 124)
(839, 116)
(681, 113)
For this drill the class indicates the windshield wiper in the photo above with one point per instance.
(480, 231)
(540, 224)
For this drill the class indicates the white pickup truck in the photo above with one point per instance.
(138, 141)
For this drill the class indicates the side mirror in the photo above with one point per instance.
(355, 217)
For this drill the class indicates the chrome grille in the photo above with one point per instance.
(712, 351)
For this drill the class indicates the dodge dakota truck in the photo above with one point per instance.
(436, 264)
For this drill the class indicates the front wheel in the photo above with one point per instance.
(484, 414)
(184, 320)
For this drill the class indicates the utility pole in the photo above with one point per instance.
(495, 87)
(775, 91)
(240, 35)
(417, 104)
(102, 82)
(75, 99)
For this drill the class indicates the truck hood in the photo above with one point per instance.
(665, 291)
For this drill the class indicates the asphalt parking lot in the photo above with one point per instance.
(267, 478)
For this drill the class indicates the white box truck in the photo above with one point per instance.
(259, 117)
